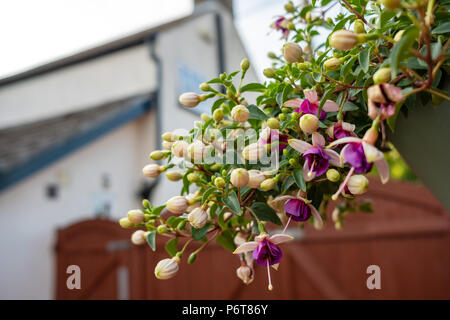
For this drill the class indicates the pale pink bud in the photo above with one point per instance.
(245, 273)
(292, 52)
(177, 204)
(189, 99)
(198, 218)
(167, 268)
(136, 216)
(240, 113)
(358, 184)
(255, 178)
(179, 148)
(151, 170)
(138, 237)
(253, 152)
(343, 40)
(239, 177)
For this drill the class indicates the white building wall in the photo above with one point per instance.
(29, 219)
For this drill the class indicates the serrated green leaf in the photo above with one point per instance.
(256, 113)
(298, 177)
(151, 240)
(265, 213)
(232, 202)
(172, 247)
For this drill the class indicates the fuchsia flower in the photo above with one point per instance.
(281, 24)
(382, 100)
(311, 105)
(265, 250)
(340, 130)
(269, 135)
(317, 157)
(361, 156)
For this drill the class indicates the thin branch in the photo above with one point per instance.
(357, 14)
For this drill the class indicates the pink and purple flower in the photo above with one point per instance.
(311, 105)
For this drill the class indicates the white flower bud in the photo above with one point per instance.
(253, 152)
(358, 184)
(196, 150)
(174, 175)
(167, 268)
(151, 170)
(177, 204)
(189, 99)
(179, 148)
(138, 237)
(136, 216)
(343, 40)
(309, 123)
(255, 177)
(198, 217)
(239, 177)
(166, 145)
(292, 52)
(240, 113)
(125, 223)
(169, 136)
(245, 273)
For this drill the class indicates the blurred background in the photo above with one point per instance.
(87, 88)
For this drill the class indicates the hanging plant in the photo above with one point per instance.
(309, 137)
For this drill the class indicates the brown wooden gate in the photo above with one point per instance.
(408, 237)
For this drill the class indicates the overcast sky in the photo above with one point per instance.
(35, 32)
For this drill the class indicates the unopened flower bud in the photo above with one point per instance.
(309, 123)
(177, 204)
(157, 155)
(344, 40)
(399, 35)
(219, 182)
(179, 148)
(196, 150)
(138, 237)
(292, 52)
(268, 184)
(289, 7)
(151, 170)
(166, 145)
(333, 175)
(382, 75)
(253, 152)
(240, 113)
(205, 87)
(255, 177)
(146, 203)
(215, 167)
(205, 117)
(198, 218)
(167, 268)
(125, 223)
(336, 215)
(135, 216)
(359, 26)
(332, 63)
(390, 4)
(239, 177)
(161, 229)
(192, 257)
(245, 64)
(358, 184)
(189, 99)
(269, 73)
(169, 136)
(218, 115)
(273, 123)
(245, 273)
(304, 66)
(272, 55)
(174, 175)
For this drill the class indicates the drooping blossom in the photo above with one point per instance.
(340, 130)
(271, 135)
(266, 251)
(361, 156)
(317, 157)
(382, 100)
(281, 24)
(310, 105)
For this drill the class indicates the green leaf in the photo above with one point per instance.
(232, 202)
(151, 240)
(349, 106)
(172, 247)
(287, 184)
(197, 234)
(257, 87)
(364, 59)
(225, 239)
(401, 48)
(217, 104)
(442, 28)
(265, 213)
(256, 113)
(325, 97)
(207, 193)
(298, 177)
(158, 210)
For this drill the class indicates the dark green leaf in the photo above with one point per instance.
(172, 247)
(298, 177)
(207, 193)
(197, 234)
(158, 210)
(256, 113)
(287, 184)
(401, 48)
(257, 87)
(232, 202)
(364, 59)
(225, 239)
(265, 213)
(442, 28)
(151, 240)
